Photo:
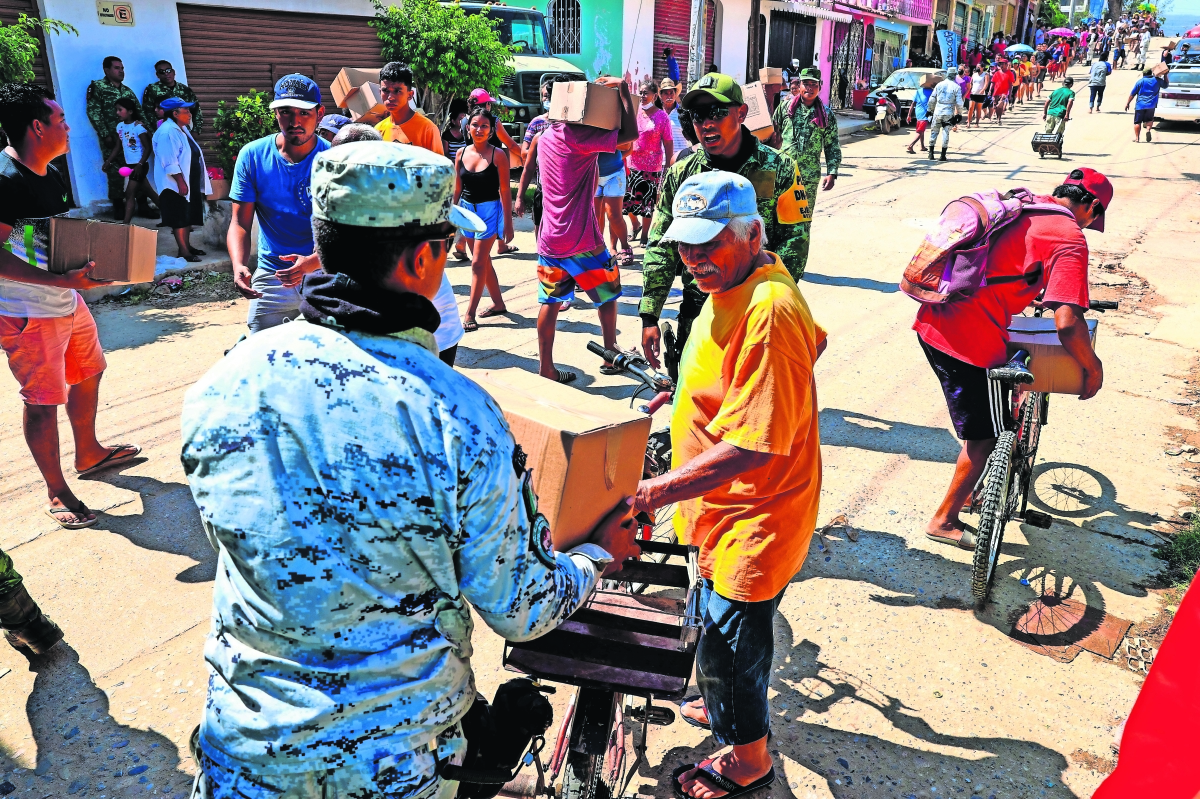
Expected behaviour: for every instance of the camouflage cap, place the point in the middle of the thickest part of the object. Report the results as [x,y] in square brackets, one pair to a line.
[810,73]
[384,184]
[721,88]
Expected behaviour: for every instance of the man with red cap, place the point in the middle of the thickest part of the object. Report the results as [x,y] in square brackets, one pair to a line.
[964,338]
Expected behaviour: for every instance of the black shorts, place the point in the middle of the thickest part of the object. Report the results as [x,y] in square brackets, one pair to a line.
[1143,115]
[978,405]
[978,99]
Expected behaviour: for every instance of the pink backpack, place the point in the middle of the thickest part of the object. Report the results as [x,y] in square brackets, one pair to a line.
[951,263]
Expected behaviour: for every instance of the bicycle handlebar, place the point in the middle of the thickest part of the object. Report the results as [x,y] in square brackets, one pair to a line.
[1102,305]
[634,365]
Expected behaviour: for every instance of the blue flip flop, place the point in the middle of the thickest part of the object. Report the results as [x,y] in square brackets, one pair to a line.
[687,700]
[718,780]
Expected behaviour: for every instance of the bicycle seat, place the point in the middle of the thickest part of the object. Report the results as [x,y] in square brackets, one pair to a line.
[1015,371]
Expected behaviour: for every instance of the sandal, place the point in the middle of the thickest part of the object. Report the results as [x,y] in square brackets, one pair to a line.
[470,327]
[625,257]
[461,255]
[967,541]
[493,311]
[111,459]
[563,376]
[57,513]
[718,780]
[197,251]
[687,700]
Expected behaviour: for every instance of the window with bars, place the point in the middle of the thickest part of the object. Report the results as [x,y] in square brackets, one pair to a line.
[565,26]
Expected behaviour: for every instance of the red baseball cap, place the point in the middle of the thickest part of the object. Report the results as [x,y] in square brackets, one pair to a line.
[481,97]
[1097,185]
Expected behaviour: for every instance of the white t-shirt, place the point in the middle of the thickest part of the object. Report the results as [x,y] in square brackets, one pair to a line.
[450,331]
[677,139]
[128,133]
[978,82]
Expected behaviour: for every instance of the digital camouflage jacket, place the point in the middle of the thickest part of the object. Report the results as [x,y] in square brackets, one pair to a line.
[102,99]
[782,202]
[804,141]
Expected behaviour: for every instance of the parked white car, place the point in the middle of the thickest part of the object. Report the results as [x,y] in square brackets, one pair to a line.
[1180,102]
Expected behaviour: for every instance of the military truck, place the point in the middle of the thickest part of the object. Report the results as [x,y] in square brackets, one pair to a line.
[533,61]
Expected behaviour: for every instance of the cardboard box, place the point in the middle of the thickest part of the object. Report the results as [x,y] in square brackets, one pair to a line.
[366,104]
[1056,372]
[586,103]
[348,82]
[758,111]
[586,452]
[220,189]
[771,75]
[123,253]
[1160,70]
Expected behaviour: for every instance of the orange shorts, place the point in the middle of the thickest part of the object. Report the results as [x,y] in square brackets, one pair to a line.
[47,356]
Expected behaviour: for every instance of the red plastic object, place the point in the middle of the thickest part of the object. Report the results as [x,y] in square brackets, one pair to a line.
[1162,736]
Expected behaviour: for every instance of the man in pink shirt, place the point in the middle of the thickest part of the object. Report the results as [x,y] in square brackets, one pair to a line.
[571,250]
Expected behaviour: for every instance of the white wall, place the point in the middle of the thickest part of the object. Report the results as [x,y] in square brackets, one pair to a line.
[637,40]
[75,61]
[734,38]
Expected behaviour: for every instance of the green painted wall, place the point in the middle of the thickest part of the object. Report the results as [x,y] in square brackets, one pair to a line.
[600,51]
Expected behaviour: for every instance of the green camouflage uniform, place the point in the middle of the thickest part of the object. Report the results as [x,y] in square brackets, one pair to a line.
[782,202]
[156,92]
[102,99]
[804,141]
[9,578]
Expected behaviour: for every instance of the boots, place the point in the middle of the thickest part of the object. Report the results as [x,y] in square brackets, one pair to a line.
[930,151]
[943,158]
[26,628]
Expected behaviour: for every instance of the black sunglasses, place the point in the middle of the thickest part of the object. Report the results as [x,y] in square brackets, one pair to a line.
[165,71]
[715,112]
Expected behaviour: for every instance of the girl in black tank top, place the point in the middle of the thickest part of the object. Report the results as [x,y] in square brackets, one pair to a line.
[482,186]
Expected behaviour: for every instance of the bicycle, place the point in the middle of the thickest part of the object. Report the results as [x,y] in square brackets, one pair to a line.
[1002,492]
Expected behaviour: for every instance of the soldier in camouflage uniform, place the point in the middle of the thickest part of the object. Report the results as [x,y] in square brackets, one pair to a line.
[363,498]
[166,86]
[716,105]
[806,128]
[26,628]
[102,96]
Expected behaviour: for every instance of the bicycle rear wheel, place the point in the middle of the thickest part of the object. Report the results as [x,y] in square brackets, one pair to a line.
[598,774]
[993,516]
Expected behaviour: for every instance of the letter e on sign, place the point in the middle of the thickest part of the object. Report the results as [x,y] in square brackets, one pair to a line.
[115,12]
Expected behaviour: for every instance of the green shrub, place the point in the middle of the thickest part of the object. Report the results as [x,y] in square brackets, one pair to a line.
[249,118]
[1182,554]
[19,47]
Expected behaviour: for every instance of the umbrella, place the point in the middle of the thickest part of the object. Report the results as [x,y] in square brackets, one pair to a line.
[1062,32]
[1018,48]
[1193,33]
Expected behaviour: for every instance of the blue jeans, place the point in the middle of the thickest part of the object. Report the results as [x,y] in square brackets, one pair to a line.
[733,665]
[278,304]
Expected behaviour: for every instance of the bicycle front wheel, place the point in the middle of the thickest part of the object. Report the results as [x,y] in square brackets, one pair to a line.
[993,516]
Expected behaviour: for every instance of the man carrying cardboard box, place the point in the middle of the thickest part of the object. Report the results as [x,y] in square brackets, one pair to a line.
[387,501]
[746,466]
[1145,91]
[964,338]
[715,103]
[45,327]
[271,180]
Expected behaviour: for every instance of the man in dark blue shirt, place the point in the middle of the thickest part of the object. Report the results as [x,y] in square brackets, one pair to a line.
[672,64]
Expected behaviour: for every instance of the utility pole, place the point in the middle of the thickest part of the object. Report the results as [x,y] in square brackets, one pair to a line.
[696,65]
[753,56]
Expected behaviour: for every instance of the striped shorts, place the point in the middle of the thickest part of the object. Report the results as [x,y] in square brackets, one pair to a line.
[594,273]
[978,405]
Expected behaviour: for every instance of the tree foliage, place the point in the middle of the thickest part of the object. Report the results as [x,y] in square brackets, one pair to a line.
[450,52]
[248,119]
[1051,15]
[19,47]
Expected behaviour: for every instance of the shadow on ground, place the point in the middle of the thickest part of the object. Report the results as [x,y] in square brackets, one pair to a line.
[74,731]
[841,428]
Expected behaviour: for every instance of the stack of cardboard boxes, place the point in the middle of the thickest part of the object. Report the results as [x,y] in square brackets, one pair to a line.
[357,90]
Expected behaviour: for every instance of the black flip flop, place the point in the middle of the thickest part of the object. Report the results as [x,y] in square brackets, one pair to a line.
[718,780]
[111,459]
[563,376]
[687,700]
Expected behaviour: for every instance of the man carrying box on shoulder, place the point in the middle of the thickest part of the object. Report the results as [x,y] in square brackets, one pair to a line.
[964,338]
[45,327]
[387,500]
[746,466]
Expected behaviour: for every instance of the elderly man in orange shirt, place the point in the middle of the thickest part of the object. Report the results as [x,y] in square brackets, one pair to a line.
[746,467]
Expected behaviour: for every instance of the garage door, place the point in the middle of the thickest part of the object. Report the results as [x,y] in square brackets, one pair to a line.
[229,51]
[9,11]
[672,28]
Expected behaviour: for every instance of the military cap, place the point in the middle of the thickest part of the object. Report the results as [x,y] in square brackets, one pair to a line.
[721,88]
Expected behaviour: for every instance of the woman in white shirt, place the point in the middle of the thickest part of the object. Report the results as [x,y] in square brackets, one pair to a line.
[180,174]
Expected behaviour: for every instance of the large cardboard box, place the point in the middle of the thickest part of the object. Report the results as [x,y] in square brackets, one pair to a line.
[586,104]
[758,111]
[586,452]
[1056,372]
[123,253]
[771,75]
[366,104]
[1160,70]
[348,82]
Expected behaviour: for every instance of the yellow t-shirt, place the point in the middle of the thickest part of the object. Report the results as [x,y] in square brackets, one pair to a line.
[418,130]
[746,378]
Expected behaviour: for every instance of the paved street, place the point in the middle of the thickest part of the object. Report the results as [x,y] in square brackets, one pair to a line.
[887,682]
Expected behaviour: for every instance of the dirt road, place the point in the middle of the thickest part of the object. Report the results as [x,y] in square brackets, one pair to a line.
[887,684]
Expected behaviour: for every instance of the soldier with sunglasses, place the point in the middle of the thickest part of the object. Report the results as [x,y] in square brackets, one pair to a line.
[718,111]
[166,86]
